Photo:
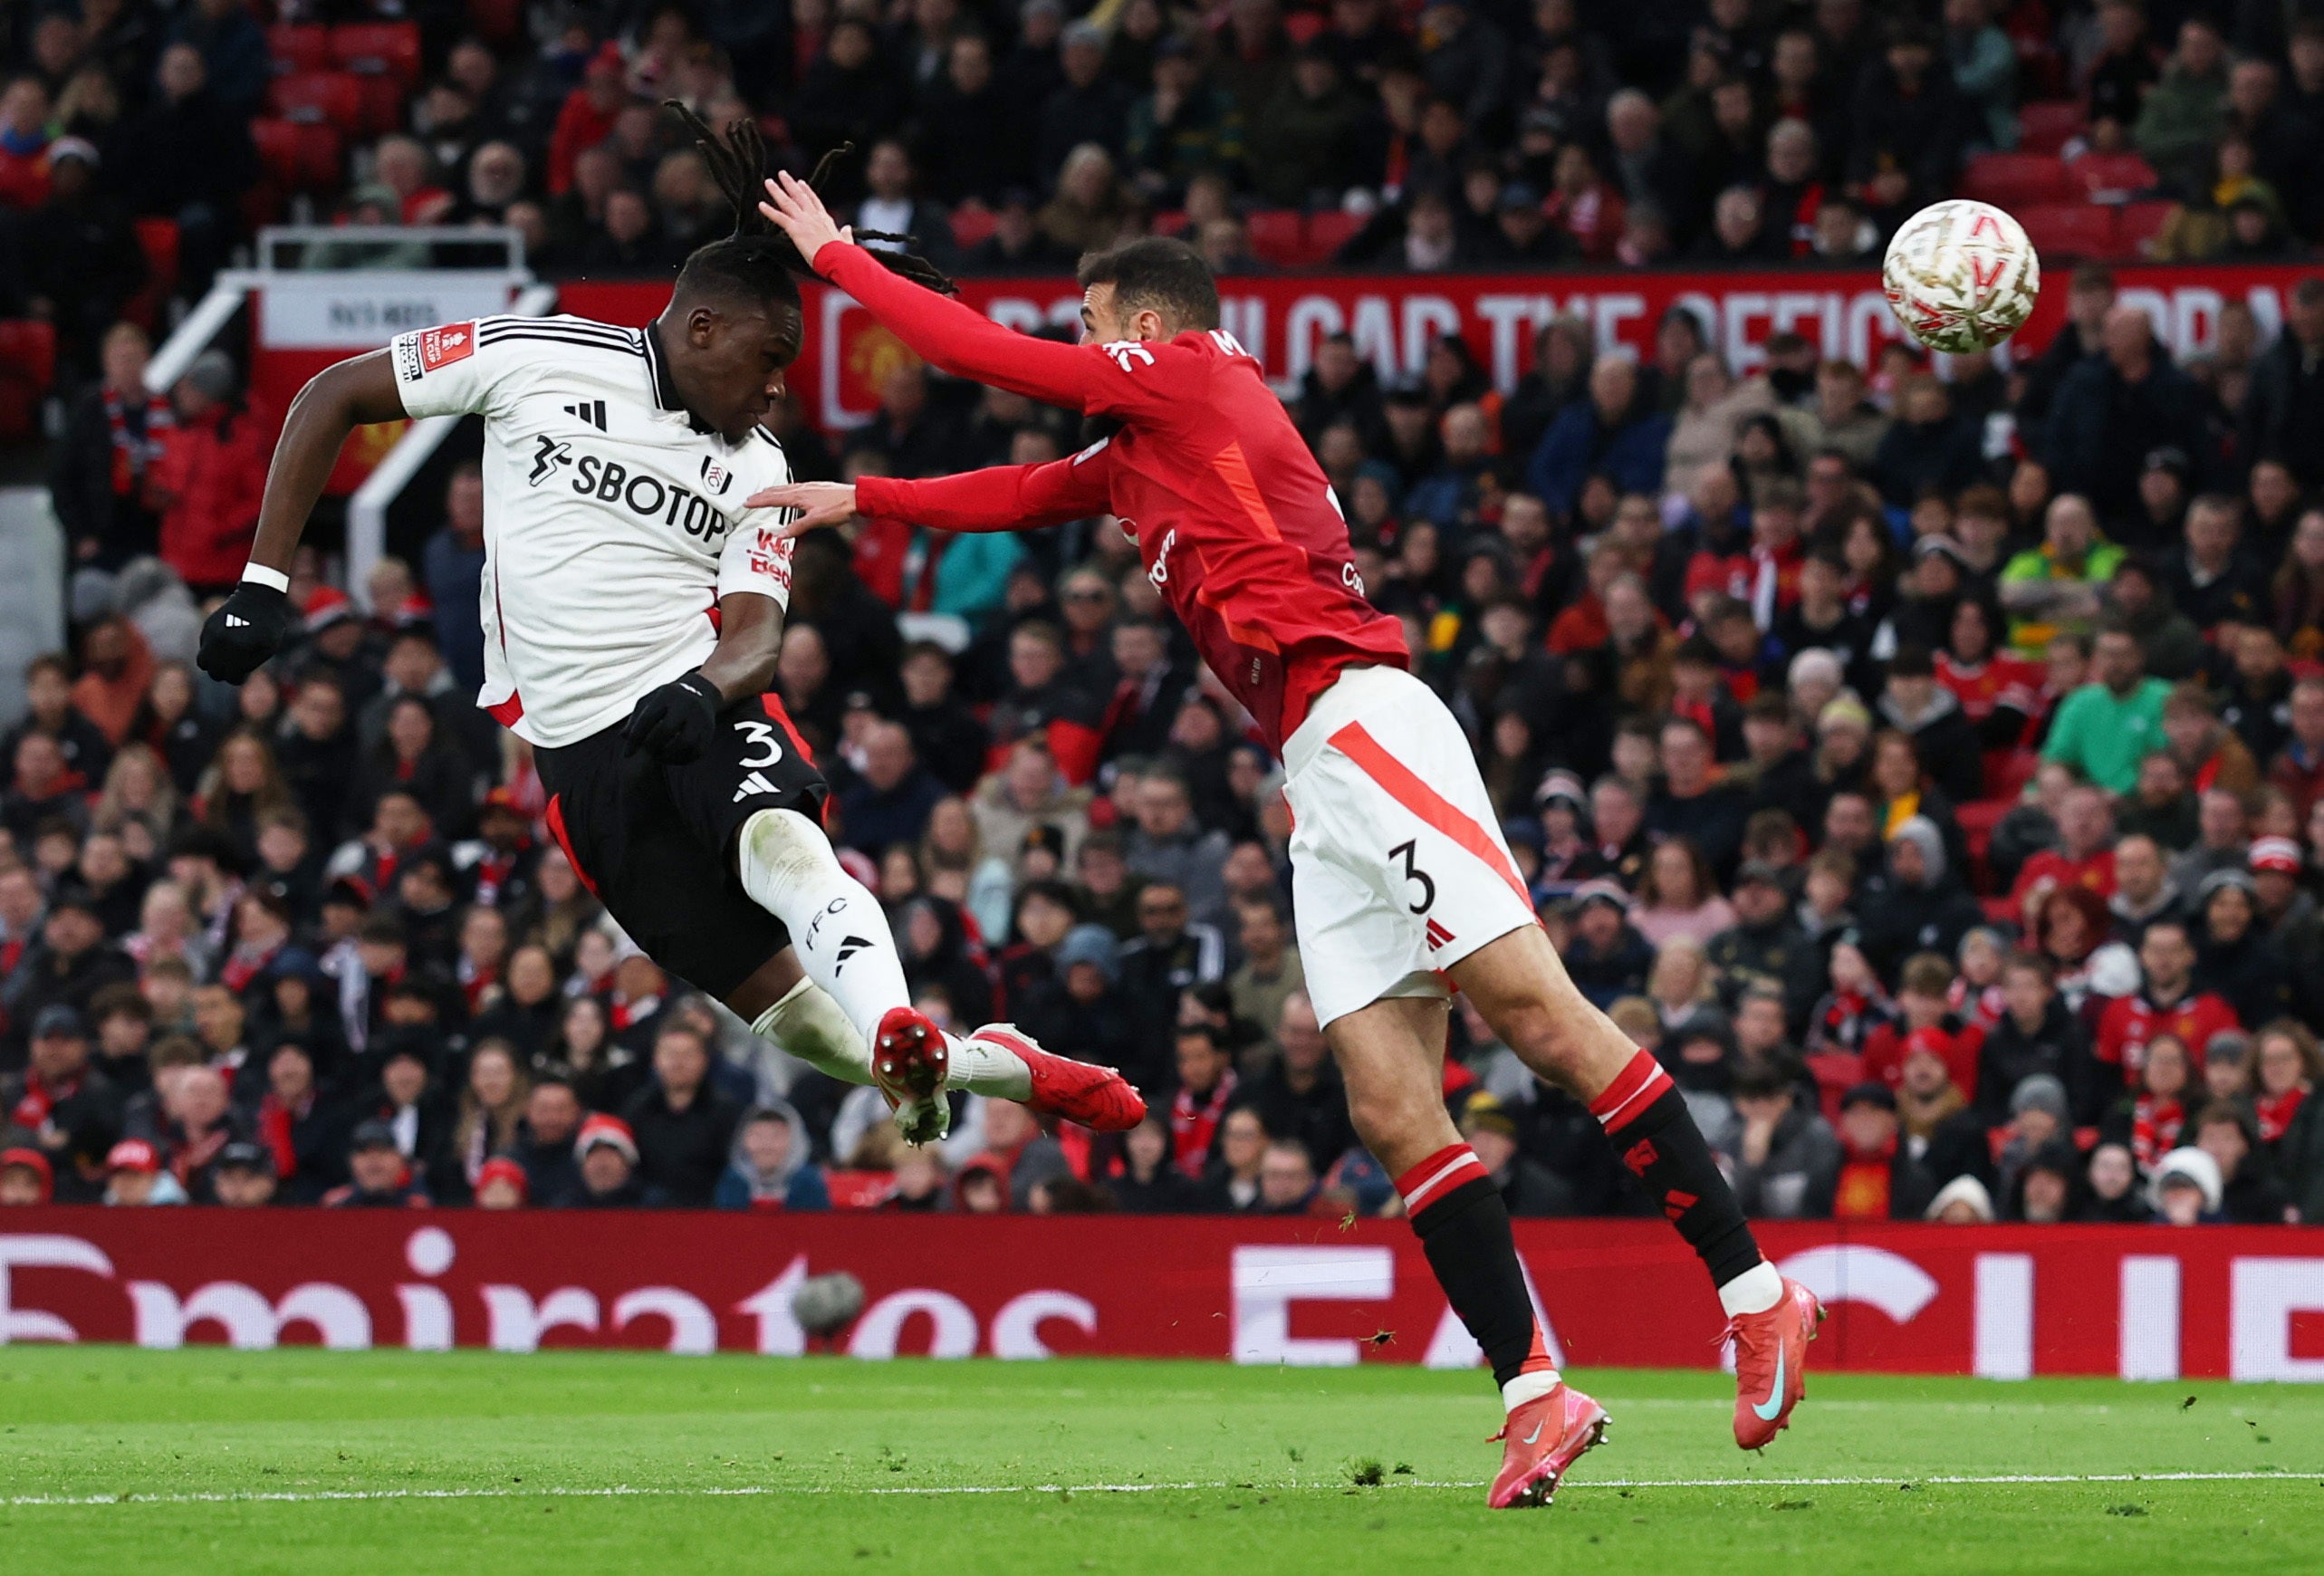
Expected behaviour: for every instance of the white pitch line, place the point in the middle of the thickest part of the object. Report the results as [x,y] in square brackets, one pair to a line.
[765,1491]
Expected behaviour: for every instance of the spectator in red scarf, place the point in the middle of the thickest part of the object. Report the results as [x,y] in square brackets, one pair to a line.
[297,1126]
[2289,1066]
[1879,1178]
[112,435]
[1207,1082]
[198,1123]
[59,1093]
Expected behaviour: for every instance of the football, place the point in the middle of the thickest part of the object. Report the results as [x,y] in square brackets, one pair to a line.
[1961,275]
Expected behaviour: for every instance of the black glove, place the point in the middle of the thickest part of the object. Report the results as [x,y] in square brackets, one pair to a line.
[674,722]
[247,629]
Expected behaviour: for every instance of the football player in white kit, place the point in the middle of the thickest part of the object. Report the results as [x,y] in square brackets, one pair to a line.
[633,610]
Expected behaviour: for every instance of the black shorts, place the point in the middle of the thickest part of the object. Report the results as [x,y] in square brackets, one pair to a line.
[654,842]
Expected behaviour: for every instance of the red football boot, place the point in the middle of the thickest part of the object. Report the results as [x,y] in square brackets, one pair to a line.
[1079,1091]
[1772,1363]
[910,1060]
[1542,1438]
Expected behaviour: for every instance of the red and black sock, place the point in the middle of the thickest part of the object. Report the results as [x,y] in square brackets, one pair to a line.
[1647,1121]
[1463,1228]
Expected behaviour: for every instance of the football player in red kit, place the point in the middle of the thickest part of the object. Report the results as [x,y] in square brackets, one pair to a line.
[1400,877]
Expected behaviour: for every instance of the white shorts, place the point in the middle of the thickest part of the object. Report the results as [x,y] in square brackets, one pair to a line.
[1398,868]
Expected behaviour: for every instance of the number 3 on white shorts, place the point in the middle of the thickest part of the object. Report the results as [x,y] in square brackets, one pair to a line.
[1413,873]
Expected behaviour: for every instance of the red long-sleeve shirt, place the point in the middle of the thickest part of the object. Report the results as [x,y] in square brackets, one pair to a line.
[1234,520]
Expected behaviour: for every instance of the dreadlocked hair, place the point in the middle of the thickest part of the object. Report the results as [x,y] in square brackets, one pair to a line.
[758,260]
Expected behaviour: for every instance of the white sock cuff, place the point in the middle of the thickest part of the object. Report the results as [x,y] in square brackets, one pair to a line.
[1529,1387]
[808,1024]
[767,1024]
[1756,1291]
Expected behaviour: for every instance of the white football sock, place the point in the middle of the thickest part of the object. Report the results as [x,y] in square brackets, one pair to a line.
[836,925]
[982,1067]
[808,1024]
[1756,1291]
[1529,1387]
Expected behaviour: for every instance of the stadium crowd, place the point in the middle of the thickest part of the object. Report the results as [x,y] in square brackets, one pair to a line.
[1923,760]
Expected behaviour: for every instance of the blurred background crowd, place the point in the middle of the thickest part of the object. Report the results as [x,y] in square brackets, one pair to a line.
[1923,758]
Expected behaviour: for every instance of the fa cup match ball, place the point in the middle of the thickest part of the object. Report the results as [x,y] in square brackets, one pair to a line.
[1961,275]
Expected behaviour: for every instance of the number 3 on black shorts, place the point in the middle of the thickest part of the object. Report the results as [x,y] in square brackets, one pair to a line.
[759,735]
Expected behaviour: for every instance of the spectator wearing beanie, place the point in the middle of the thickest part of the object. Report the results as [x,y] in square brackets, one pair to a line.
[26,1177]
[378,1177]
[772,1166]
[501,1183]
[1918,905]
[606,1154]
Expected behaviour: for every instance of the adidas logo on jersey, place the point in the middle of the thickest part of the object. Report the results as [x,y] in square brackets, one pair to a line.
[754,785]
[236,621]
[848,948]
[589,410]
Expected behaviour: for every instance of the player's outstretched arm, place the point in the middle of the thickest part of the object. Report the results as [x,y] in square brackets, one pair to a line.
[947,334]
[249,627]
[998,498]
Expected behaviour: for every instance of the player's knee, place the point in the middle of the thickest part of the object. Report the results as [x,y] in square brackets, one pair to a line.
[1383,1114]
[1551,1043]
[785,847]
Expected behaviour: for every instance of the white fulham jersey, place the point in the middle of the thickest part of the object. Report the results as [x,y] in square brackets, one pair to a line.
[612,525]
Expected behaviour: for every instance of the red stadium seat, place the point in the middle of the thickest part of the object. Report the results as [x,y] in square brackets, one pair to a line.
[2111,176]
[301,157]
[2046,128]
[2007,771]
[373,49]
[1276,237]
[1835,1072]
[2070,229]
[2014,180]
[1170,222]
[2135,224]
[157,239]
[382,98]
[320,99]
[970,225]
[1328,232]
[27,366]
[496,21]
[295,47]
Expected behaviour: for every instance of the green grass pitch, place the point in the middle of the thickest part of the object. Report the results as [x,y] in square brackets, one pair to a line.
[114,1460]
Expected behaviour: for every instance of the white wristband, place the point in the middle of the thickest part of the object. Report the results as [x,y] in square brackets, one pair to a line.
[272,578]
